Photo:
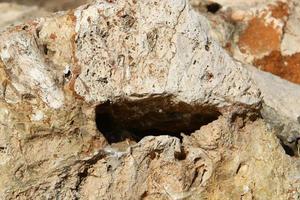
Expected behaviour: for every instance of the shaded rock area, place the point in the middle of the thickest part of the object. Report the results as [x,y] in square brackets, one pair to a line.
[149,100]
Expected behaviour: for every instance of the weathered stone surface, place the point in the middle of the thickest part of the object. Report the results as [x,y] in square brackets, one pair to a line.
[145,59]
[278,93]
[147,49]
[138,100]
[281,106]
[13,13]
[262,33]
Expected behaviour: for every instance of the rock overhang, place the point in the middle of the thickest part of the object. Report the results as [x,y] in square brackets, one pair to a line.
[163,49]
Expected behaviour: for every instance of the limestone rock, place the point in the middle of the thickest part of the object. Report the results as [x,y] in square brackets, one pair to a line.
[146,48]
[281,105]
[138,100]
[263,33]
[11,13]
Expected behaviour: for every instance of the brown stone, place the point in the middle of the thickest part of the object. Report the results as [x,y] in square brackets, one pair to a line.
[287,67]
[259,37]
[280,10]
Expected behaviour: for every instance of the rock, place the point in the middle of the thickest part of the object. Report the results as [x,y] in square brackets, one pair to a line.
[13,13]
[279,94]
[262,33]
[138,100]
[281,104]
[264,168]
[139,59]
[51,6]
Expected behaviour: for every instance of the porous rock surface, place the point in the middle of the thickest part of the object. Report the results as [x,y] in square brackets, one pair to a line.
[260,32]
[139,100]
[263,33]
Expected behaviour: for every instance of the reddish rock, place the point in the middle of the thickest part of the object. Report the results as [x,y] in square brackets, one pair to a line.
[259,38]
[287,67]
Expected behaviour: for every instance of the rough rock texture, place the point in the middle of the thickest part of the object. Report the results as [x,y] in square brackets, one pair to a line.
[162,49]
[139,100]
[261,32]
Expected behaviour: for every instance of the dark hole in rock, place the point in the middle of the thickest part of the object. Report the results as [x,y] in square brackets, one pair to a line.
[290,148]
[45,49]
[180,155]
[48,52]
[135,120]
[67,74]
[213,7]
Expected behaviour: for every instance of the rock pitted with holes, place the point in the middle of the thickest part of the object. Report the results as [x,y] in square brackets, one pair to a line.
[136,49]
[134,100]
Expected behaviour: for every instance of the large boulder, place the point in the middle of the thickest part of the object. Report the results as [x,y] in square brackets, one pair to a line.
[137,100]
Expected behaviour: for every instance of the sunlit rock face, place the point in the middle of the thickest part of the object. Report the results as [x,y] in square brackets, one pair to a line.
[145,100]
